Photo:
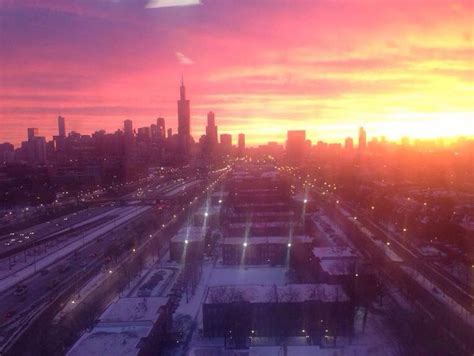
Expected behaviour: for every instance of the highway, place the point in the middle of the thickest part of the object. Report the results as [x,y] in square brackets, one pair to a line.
[83,254]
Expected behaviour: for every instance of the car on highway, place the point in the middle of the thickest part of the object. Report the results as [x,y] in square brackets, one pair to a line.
[52,284]
[20,290]
[9,314]
[64,268]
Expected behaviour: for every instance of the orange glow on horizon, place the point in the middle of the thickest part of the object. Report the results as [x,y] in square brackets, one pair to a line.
[404,71]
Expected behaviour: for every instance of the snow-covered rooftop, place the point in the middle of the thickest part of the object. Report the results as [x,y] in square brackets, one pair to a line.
[210,210]
[254,240]
[334,252]
[121,327]
[134,309]
[190,233]
[337,267]
[248,275]
[264,224]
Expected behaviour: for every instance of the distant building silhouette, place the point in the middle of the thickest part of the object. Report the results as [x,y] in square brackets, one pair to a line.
[160,122]
[184,120]
[295,145]
[362,139]
[128,128]
[32,133]
[349,143]
[61,126]
[211,130]
[241,143]
[226,143]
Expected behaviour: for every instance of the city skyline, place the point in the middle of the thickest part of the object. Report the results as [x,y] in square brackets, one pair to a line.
[185,129]
[369,71]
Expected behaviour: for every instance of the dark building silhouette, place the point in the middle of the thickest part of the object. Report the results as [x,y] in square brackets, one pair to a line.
[362,139]
[32,132]
[184,120]
[211,131]
[226,143]
[295,145]
[241,143]
[61,126]
[349,143]
[128,128]
[160,122]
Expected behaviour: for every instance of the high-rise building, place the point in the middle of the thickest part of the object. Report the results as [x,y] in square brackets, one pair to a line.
[61,126]
[295,145]
[143,134]
[154,132]
[160,122]
[211,130]
[362,139]
[184,120]
[349,143]
[241,143]
[170,132]
[36,150]
[226,142]
[128,128]
[32,133]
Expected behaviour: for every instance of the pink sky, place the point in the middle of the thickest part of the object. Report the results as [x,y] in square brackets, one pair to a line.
[397,67]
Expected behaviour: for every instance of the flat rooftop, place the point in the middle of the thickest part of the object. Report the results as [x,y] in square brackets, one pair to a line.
[243,275]
[265,213]
[261,224]
[210,210]
[337,267]
[120,328]
[292,293]
[190,233]
[336,252]
[255,240]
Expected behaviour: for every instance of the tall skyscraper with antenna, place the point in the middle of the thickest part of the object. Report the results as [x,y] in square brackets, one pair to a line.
[184,120]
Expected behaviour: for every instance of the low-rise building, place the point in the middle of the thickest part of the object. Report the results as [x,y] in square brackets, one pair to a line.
[207,216]
[265,250]
[300,310]
[130,326]
[188,244]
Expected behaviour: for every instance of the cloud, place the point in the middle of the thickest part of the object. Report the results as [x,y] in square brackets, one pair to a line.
[153,4]
[182,59]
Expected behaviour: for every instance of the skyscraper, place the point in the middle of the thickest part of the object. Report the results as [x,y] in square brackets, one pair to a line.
[295,145]
[32,133]
[349,143]
[211,130]
[128,128]
[362,139]
[241,143]
[226,143]
[61,126]
[184,120]
[160,122]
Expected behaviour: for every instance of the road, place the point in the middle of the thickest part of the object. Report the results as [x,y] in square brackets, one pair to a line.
[22,301]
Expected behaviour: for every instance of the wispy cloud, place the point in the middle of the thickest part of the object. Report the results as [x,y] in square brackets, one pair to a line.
[153,4]
[182,59]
